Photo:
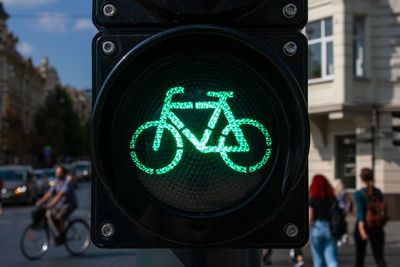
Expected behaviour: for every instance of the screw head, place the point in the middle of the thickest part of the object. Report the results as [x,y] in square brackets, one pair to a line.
[107,230]
[290,48]
[290,11]
[108,48]
[109,10]
[291,230]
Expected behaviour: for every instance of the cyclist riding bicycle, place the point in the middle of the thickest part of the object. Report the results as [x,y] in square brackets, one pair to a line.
[59,201]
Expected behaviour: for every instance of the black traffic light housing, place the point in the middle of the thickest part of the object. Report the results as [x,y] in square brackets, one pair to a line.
[144,49]
[161,14]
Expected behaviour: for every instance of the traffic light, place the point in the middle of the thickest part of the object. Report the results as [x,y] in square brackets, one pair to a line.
[200,124]
[396,128]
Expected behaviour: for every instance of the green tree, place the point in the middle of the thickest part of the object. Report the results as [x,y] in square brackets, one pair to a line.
[86,138]
[14,137]
[57,125]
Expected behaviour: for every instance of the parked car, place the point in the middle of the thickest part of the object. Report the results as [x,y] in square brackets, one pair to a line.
[19,184]
[45,179]
[82,170]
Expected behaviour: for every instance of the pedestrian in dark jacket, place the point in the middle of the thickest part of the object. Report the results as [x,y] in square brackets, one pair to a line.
[362,233]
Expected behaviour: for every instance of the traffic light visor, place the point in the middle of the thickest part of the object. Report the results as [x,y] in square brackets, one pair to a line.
[203,7]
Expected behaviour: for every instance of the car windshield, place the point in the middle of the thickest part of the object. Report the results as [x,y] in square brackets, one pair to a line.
[49,173]
[11,175]
[81,167]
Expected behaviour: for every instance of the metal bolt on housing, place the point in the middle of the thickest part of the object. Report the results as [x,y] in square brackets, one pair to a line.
[109,48]
[290,11]
[290,48]
[107,230]
[109,10]
[291,230]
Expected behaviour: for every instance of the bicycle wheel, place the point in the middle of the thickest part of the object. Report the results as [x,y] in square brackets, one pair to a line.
[34,242]
[264,159]
[77,237]
[178,154]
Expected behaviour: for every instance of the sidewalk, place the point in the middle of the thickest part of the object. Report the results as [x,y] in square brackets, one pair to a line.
[392,231]
[280,257]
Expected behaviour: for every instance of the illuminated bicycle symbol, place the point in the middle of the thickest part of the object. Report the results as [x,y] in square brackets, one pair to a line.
[177,128]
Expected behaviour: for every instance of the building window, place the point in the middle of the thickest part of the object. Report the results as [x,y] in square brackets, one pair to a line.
[359,60]
[346,160]
[320,49]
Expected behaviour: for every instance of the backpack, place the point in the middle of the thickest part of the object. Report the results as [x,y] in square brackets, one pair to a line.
[337,220]
[376,214]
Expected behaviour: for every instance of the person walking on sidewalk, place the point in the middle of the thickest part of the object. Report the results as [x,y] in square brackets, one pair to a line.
[364,233]
[345,203]
[323,245]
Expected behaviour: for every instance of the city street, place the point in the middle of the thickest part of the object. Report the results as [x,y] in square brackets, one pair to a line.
[224,124]
[15,218]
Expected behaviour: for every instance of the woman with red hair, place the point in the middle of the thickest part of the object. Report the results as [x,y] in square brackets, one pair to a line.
[323,245]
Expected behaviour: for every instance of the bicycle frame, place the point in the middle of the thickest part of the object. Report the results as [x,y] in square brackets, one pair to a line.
[220,106]
[51,233]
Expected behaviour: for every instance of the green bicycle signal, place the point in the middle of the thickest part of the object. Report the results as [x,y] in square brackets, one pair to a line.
[178,128]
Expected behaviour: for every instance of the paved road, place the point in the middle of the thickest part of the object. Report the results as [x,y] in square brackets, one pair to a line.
[16,218]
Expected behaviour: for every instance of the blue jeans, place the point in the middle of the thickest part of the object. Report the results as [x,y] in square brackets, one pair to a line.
[323,245]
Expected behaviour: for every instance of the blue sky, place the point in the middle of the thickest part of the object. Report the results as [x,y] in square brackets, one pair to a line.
[59,29]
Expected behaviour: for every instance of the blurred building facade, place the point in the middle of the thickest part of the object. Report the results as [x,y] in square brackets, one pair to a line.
[21,89]
[82,99]
[49,73]
[354,85]
[82,102]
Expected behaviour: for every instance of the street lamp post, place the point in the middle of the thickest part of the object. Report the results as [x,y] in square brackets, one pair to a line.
[374,126]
